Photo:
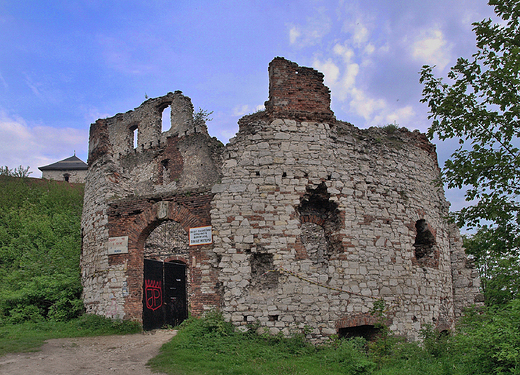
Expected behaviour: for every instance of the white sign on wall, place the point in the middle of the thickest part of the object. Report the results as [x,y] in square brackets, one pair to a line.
[118,245]
[200,236]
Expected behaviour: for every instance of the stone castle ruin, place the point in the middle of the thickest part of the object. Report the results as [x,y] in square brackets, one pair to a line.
[301,220]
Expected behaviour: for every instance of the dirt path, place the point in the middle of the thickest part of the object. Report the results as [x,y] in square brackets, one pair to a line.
[102,355]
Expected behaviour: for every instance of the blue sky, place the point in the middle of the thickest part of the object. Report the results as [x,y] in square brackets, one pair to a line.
[64,64]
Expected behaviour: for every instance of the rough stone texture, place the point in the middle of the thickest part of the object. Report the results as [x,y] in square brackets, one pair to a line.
[313,219]
[164,182]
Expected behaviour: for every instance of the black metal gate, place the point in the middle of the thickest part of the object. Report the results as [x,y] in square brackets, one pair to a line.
[164,294]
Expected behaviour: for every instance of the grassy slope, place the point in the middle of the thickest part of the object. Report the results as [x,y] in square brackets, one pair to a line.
[40,245]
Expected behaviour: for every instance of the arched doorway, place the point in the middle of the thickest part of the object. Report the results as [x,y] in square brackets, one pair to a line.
[166,253]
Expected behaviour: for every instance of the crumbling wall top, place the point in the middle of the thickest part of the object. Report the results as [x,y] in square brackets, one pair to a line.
[298,93]
[141,128]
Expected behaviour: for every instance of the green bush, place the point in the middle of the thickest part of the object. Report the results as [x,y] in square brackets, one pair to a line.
[489,340]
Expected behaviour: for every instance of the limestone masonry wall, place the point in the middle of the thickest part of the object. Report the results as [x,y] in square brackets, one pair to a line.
[313,219]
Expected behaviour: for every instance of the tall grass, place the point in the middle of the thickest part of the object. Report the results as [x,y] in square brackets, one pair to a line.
[487,342]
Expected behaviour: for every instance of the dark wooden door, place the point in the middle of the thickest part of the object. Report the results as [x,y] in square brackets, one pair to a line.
[176,309]
[164,294]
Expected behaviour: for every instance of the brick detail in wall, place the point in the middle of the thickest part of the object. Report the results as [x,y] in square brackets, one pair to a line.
[297,92]
[171,163]
[137,220]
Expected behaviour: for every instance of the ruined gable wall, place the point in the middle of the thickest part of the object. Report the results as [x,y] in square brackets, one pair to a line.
[126,188]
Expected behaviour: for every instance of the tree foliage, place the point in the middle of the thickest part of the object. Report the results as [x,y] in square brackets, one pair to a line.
[498,260]
[16,172]
[40,244]
[480,106]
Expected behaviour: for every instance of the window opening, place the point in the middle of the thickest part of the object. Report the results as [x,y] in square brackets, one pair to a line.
[134,131]
[166,119]
[66,177]
[425,245]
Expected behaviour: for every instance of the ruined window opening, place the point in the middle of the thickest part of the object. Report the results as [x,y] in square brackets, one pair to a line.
[166,119]
[263,274]
[134,131]
[66,177]
[368,332]
[320,220]
[164,174]
[424,245]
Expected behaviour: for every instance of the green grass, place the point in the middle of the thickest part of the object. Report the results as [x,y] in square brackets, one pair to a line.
[29,337]
[487,343]
[212,346]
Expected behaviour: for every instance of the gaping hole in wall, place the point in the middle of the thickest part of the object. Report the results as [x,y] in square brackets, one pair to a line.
[263,274]
[166,119]
[315,242]
[368,332]
[424,245]
[320,219]
[167,240]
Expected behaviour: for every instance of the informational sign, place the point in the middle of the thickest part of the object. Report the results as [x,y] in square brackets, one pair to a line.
[118,245]
[200,236]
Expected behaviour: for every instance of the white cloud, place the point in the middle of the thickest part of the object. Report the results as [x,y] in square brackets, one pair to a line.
[294,34]
[34,86]
[369,49]
[365,106]
[343,51]
[349,78]
[329,69]
[36,146]
[431,47]
[245,109]
[313,31]
[361,33]
[400,115]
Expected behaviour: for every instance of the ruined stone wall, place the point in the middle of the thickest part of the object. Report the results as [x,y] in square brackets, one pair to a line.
[164,180]
[316,220]
[328,216]
[313,219]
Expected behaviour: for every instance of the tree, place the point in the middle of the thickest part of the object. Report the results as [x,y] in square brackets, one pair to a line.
[481,107]
[17,172]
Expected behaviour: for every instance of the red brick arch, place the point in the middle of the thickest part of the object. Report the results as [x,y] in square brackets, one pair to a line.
[137,221]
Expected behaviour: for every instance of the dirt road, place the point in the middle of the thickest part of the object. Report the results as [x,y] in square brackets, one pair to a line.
[102,355]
